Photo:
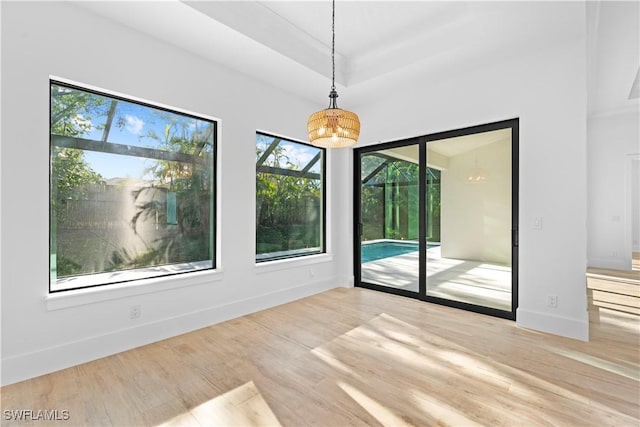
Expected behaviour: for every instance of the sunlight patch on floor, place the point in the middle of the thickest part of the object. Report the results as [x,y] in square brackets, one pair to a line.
[377,410]
[413,349]
[475,366]
[398,351]
[625,321]
[444,413]
[185,419]
[596,362]
[543,390]
[330,359]
[242,406]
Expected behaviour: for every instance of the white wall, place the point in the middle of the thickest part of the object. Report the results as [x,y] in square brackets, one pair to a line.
[476,218]
[547,91]
[611,141]
[40,335]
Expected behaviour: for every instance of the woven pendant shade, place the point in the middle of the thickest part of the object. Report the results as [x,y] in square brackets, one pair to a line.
[333,128]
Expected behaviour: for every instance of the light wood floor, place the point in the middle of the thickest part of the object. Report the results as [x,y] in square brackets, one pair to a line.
[615,289]
[355,357]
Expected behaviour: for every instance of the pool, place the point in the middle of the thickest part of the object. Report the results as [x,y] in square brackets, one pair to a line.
[385,249]
[380,250]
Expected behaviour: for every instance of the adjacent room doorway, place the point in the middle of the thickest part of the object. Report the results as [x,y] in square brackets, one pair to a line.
[436,218]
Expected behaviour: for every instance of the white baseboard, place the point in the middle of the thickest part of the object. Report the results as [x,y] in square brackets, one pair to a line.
[346,281]
[610,263]
[558,325]
[30,365]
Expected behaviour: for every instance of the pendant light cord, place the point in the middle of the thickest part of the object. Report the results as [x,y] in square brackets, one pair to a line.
[333,45]
[333,95]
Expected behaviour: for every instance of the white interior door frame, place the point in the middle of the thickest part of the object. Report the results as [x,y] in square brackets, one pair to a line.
[632,189]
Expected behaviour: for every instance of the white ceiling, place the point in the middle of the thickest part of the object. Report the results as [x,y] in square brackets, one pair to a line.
[613,30]
[288,43]
[451,147]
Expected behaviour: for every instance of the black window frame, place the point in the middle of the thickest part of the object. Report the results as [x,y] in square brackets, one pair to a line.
[323,197]
[214,184]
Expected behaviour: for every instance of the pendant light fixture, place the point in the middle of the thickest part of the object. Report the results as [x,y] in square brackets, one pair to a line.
[333,127]
[477,175]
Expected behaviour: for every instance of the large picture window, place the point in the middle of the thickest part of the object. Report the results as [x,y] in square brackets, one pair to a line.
[132,190]
[289,198]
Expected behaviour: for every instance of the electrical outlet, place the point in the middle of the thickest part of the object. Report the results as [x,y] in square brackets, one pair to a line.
[552,301]
[134,311]
[537,223]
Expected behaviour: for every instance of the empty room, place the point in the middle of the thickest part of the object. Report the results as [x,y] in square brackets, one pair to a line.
[331,213]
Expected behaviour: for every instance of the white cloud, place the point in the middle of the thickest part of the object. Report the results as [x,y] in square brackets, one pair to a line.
[298,154]
[134,124]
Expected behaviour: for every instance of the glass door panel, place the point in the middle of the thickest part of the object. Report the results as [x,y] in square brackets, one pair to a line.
[389,218]
[468,205]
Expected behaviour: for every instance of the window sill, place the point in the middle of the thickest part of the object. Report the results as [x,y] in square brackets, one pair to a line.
[66,299]
[284,264]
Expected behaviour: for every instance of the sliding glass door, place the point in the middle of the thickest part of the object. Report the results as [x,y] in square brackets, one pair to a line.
[437,218]
[389,201]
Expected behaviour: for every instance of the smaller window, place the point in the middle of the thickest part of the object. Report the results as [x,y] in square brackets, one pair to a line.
[132,190]
[290,198]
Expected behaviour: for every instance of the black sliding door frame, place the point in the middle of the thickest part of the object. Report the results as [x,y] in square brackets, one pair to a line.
[422,142]
[357,180]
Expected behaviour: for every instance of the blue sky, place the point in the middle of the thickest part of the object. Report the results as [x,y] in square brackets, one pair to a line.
[138,121]
[298,154]
[131,125]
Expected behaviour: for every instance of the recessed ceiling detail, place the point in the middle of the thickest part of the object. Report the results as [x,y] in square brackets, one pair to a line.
[286,43]
[635,87]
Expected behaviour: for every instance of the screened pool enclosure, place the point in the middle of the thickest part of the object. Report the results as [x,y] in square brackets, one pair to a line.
[390,198]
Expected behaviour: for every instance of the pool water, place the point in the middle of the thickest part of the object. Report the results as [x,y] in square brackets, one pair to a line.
[380,250]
